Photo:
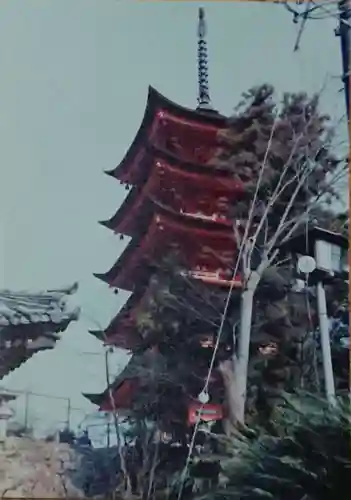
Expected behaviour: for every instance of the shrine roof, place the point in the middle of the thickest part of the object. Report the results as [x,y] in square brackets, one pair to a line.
[30,322]
[25,308]
[297,242]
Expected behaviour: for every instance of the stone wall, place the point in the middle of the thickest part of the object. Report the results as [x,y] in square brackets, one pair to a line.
[36,469]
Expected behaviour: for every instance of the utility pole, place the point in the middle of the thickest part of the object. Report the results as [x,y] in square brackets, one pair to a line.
[68,421]
[107,373]
[344,32]
[26,410]
[308,11]
[325,342]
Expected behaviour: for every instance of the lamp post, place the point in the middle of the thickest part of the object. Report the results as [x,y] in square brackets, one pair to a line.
[5,413]
[322,256]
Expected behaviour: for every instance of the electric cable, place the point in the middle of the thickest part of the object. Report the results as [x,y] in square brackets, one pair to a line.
[229,295]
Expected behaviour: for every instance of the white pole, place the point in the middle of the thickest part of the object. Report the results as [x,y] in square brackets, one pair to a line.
[3,430]
[325,341]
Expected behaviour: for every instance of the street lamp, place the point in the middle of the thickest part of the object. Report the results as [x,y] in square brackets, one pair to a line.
[5,412]
[321,256]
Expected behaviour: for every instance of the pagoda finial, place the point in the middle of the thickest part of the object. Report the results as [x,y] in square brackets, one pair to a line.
[204,100]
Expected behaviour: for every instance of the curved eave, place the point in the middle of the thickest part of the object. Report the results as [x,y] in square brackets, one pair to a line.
[175,222]
[210,117]
[95,399]
[130,305]
[99,399]
[123,210]
[14,366]
[185,172]
[21,359]
[120,222]
[127,340]
[98,334]
[131,372]
[110,275]
[155,102]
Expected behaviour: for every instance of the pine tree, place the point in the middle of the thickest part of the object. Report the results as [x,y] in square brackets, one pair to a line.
[284,153]
[305,455]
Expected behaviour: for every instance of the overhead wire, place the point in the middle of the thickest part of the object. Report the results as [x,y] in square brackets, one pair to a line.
[329,13]
[243,243]
[228,299]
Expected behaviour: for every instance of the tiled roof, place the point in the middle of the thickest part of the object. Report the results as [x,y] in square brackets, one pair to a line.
[24,308]
[31,322]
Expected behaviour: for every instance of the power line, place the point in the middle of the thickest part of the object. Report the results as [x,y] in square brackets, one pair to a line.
[228,299]
[342,15]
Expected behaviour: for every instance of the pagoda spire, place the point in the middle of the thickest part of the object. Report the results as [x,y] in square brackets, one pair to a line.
[204,100]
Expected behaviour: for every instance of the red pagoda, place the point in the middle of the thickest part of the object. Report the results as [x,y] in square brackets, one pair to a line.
[179,202]
[32,322]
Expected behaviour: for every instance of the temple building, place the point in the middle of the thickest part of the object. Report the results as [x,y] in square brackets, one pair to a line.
[32,322]
[178,206]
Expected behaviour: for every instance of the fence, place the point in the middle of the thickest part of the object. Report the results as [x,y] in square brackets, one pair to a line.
[40,411]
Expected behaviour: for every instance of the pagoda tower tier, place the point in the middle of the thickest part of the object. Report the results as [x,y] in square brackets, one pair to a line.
[125,331]
[207,250]
[173,184]
[132,385]
[191,136]
[122,331]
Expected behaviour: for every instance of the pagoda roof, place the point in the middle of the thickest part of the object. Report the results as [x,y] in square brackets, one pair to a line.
[123,331]
[112,329]
[156,102]
[31,322]
[166,166]
[141,368]
[179,223]
[132,199]
[137,367]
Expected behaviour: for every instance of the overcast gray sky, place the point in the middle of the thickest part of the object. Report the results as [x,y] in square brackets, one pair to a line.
[74,80]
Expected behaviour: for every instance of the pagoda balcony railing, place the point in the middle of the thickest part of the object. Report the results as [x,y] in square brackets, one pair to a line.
[212,277]
[213,217]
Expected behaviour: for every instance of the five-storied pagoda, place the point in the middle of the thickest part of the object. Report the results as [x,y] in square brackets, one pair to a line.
[178,204]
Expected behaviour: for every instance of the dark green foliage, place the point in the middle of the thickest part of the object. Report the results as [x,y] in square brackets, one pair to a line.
[301,147]
[306,456]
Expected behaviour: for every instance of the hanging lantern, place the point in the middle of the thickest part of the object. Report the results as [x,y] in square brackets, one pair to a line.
[203,397]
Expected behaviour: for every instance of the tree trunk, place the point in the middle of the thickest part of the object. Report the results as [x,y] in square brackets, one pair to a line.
[232,401]
[234,371]
[242,359]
